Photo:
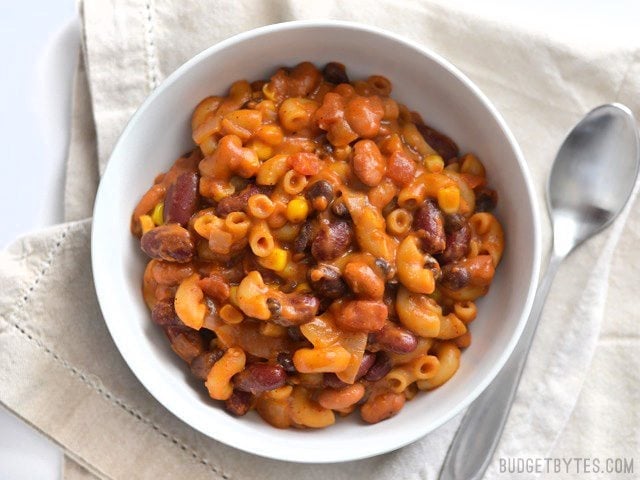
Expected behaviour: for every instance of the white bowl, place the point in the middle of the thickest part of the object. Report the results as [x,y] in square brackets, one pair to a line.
[160,131]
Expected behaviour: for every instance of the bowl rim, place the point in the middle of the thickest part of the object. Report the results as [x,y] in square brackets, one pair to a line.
[100,274]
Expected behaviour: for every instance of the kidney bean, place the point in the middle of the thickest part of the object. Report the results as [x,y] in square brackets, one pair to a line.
[326,281]
[457,238]
[331,380]
[164,313]
[215,287]
[201,365]
[285,360]
[454,222]
[393,338]
[368,359]
[486,199]
[382,406]
[334,72]
[238,403]
[362,315]
[363,280]
[187,343]
[429,222]
[260,377]
[320,194]
[442,144]
[455,276]
[401,168]
[237,202]
[368,163]
[181,200]
[380,367]
[333,239]
[302,241]
[168,242]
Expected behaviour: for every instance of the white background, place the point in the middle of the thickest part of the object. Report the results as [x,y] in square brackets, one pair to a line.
[39,42]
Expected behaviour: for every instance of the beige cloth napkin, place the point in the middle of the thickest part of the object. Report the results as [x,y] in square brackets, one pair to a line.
[61,372]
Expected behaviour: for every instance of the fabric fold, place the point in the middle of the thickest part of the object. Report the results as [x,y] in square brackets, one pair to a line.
[63,374]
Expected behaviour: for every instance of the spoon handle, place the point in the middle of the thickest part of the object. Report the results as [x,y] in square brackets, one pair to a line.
[479,433]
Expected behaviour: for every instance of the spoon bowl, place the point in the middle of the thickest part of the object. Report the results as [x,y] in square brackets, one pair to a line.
[591,181]
[593,175]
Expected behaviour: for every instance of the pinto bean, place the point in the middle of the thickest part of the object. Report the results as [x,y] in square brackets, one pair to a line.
[368,163]
[339,209]
[362,315]
[260,377]
[442,144]
[401,168]
[458,236]
[363,280]
[393,338]
[380,367]
[181,200]
[293,308]
[238,403]
[331,380]
[455,276]
[429,222]
[338,399]
[171,273]
[215,287]
[171,242]
[334,72]
[382,406]
[201,365]
[237,202]
[320,194]
[187,343]
[333,239]
[326,281]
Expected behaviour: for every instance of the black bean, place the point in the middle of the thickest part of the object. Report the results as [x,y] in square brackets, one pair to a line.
[335,73]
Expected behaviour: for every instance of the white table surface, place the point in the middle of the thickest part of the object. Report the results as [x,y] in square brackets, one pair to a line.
[39,42]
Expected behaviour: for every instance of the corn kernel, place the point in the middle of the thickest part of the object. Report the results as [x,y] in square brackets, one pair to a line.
[146,223]
[449,199]
[471,164]
[262,149]
[276,260]
[297,210]
[434,163]
[453,167]
[268,91]
[230,314]
[158,214]
[233,295]
[281,393]
[303,287]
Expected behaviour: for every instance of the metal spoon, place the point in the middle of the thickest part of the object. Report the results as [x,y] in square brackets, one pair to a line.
[591,180]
